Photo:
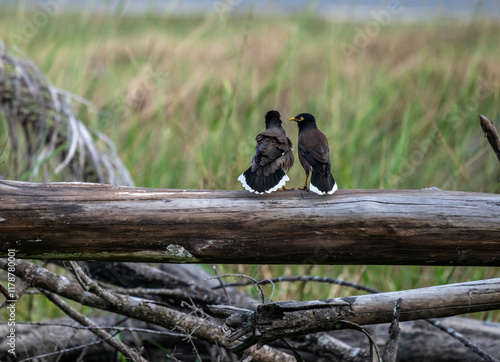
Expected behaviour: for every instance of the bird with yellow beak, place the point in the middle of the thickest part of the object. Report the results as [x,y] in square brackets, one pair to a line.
[314,155]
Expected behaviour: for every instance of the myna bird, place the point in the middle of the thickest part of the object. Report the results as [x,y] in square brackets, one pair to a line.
[314,155]
[273,157]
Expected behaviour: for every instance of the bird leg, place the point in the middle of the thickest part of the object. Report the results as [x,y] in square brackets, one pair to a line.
[305,185]
[284,188]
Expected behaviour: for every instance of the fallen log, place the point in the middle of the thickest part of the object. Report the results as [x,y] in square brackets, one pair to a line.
[81,221]
[273,321]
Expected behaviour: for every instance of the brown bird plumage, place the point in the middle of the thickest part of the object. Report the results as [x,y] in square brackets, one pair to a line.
[314,155]
[273,157]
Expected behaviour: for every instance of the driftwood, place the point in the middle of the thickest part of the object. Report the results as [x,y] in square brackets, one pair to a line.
[101,222]
[272,321]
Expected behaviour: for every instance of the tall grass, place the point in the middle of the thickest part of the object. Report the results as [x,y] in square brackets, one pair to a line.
[183,99]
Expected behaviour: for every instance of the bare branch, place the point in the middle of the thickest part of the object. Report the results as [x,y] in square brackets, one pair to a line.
[297,356]
[304,278]
[72,266]
[221,284]
[323,344]
[474,348]
[64,350]
[490,132]
[110,328]
[253,282]
[182,284]
[391,347]
[141,309]
[143,292]
[71,312]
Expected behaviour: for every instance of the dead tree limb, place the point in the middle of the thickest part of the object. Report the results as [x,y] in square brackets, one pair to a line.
[112,341]
[391,346]
[458,336]
[273,321]
[419,341]
[100,222]
[490,132]
[137,308]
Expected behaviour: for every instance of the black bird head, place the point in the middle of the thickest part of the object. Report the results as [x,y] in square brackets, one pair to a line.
[304,120]
[273,119]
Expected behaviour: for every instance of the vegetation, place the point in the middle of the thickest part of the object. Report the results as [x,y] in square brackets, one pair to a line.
[183,99]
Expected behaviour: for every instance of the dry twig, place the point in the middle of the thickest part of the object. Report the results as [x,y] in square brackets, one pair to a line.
[252,281]
[391,347]
[303,278]
[68,349]
[102,327]
[490,132]
[461,339]
[71,312]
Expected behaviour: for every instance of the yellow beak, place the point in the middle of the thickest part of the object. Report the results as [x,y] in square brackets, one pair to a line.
[293,119]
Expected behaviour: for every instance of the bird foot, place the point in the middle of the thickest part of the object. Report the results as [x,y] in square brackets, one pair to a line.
[305,189]
[284,188]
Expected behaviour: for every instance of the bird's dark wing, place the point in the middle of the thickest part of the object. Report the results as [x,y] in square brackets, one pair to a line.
[313,146]
[273,150]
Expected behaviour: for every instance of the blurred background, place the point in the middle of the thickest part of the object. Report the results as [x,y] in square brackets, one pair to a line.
[181,88]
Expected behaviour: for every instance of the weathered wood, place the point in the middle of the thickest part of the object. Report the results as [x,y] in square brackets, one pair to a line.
[490,132]
[101,222]
[272,321]
[419,341]
[147,310]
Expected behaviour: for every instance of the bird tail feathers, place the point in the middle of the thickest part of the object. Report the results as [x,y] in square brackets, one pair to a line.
[323,184]
[259,184]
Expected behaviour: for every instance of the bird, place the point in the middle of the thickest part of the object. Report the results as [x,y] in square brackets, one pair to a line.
[314,155]
[273,158]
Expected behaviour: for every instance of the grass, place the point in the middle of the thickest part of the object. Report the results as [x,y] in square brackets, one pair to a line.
[183,99]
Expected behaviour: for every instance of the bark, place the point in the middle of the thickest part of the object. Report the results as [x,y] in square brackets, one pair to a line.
[70,221]
[272,321]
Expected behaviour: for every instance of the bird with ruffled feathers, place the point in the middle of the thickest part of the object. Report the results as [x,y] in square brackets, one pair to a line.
[272,159]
